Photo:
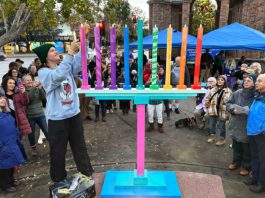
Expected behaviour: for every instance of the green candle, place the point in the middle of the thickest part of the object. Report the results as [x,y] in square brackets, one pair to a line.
[154,86]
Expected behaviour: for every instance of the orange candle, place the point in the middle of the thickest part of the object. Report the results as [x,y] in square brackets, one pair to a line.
[183,58]
[196,84]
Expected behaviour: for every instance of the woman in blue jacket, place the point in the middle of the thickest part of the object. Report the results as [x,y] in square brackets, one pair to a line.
[10,154]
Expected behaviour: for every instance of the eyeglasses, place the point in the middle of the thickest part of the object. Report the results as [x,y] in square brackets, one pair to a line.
[209,81]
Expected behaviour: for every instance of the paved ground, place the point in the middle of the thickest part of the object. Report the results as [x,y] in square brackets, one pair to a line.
[111,145]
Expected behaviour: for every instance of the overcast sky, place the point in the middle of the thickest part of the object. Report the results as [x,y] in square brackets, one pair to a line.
[144,6]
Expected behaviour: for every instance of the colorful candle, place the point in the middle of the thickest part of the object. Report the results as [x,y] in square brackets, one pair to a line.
[113,57]
[98,58]
[140,54]
[140,138]
[154,86]
[127,85]
[83,58]
[168,58]
[183,58]
[196,84]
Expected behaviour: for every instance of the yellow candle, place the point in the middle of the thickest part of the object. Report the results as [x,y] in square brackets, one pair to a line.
[168,60]
[183,58]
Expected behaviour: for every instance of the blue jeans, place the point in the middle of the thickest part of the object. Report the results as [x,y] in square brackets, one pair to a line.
[41,121]
[221,126]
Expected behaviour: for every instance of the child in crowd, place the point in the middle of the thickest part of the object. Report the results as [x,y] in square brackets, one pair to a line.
[10,154]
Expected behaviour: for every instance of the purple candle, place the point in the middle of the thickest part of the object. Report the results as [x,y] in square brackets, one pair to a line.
[113,57]
[98,58]
[83,58]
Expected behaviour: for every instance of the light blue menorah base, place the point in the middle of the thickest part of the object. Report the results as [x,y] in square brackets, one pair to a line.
[155,184]
[141,96]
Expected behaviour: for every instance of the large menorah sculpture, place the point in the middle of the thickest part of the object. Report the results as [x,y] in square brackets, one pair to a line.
[139,182]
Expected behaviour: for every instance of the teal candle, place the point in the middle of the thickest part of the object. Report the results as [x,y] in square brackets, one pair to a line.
[140,54]
[154,86]
[126,58]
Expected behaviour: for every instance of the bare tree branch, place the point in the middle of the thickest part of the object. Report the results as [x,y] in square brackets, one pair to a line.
[19,25]
[3,17]
[18,16]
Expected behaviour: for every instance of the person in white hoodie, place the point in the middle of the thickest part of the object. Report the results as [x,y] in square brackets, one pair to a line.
[63,113]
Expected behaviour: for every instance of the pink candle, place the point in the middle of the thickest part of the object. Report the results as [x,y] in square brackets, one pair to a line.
[83,58]
[98,58]
[113,57]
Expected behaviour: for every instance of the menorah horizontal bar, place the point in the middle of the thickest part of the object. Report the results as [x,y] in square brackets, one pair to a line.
[141,96]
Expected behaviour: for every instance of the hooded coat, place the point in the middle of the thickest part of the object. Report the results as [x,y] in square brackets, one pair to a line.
[238,122]
[10,154]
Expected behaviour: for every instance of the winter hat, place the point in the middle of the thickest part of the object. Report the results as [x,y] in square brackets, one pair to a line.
[42,51]
[253,77]
[223,77]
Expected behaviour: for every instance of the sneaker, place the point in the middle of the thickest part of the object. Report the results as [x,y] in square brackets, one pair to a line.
[220,143]
[103,120]
[250,181]
[111,111]
[107,111]
[233,166]
[257,188]
[177,111]
[211,139]
[243,172]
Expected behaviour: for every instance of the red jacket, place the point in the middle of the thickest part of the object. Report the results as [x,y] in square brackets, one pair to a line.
[147,74]
[20,101]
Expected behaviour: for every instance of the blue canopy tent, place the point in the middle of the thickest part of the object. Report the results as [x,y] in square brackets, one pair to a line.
[162,40]
[233,37]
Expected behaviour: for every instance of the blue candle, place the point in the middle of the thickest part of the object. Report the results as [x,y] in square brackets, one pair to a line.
[140,54]
[126,58]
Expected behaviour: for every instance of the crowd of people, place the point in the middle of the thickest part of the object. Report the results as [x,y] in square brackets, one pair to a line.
[45,94]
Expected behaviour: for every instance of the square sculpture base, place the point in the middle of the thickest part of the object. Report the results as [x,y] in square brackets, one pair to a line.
[155,184]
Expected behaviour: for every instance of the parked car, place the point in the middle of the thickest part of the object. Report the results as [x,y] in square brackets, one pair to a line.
[2,56]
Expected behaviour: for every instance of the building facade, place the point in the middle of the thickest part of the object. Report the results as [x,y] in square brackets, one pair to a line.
[179,12]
